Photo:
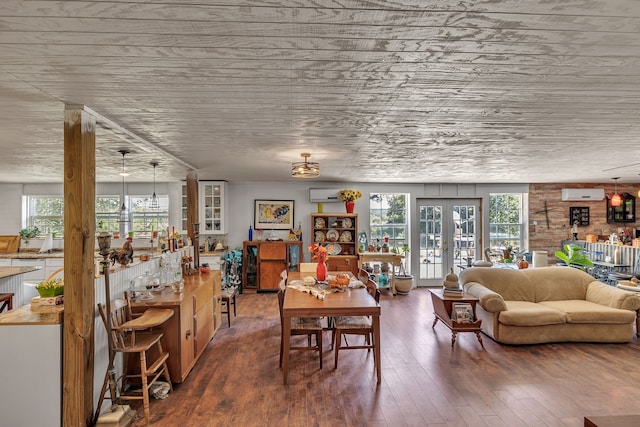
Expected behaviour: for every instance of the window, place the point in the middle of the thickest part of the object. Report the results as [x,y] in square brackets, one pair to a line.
[143,219]
[46,213]
[388,218]
[107,213]
[506,226]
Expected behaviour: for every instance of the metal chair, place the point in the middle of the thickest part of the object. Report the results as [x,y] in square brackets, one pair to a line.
[615,276]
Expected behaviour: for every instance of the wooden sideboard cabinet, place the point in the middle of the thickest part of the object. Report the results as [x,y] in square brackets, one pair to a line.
[197,316]
[263,261]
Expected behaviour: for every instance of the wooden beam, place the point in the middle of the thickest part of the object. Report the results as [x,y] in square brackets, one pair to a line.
[192,213]
[79,279]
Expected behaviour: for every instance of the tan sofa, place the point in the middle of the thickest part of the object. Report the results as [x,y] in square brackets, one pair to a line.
[549,304]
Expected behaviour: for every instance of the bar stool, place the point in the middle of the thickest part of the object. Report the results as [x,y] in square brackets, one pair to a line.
[6,302]
[229,298]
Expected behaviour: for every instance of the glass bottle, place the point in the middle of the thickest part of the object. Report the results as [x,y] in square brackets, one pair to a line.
[385,245]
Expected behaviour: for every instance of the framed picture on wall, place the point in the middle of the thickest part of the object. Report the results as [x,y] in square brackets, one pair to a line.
[579,214]
[273,214]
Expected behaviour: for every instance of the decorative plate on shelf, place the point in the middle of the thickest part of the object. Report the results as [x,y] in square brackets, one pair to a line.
[319,223]
[334,249]
[333,235]
[319,236]
[345,236]
[346,223]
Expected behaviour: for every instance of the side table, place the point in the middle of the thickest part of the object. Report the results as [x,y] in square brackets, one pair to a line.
[442,307]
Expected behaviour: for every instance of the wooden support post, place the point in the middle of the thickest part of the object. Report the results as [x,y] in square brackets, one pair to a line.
[192,213]
[79,278]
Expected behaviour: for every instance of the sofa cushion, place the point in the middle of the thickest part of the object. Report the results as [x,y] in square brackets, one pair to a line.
[579,311]
[524,313]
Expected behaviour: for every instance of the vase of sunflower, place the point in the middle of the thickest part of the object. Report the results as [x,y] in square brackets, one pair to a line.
[349,198]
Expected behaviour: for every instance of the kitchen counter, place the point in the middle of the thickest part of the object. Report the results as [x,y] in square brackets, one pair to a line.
[33,255]
[25,316]
[14,271]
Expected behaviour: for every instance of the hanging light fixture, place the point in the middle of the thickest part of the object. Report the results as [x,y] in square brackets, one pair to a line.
[616,199]
[155,203]
[123,213]
[305,169]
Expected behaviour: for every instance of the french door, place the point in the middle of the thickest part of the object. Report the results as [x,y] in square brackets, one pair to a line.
[449,229]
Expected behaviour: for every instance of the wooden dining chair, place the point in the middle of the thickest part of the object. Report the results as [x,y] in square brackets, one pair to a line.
[134,338]
[309,326]
[355,325]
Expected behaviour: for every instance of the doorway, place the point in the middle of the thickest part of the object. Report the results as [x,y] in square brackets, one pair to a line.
[448,237]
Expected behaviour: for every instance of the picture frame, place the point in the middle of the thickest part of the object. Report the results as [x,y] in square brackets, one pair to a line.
[273,214]
[579,214]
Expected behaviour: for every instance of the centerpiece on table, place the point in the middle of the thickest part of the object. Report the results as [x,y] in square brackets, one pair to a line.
[319,255]
[349,198]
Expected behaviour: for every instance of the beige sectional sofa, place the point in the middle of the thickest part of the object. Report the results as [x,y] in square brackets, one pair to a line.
[549,304]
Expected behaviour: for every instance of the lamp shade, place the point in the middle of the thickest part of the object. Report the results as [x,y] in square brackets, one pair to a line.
[616,200]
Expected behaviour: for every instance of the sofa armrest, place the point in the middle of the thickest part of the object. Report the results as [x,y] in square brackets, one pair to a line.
[600,293]
[489,300]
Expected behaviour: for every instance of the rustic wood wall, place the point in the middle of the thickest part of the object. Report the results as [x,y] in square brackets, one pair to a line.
[546,199]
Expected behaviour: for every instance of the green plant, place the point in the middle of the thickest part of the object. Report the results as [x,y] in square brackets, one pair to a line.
[51,288]
[29,233]
[574,256]
[404,250]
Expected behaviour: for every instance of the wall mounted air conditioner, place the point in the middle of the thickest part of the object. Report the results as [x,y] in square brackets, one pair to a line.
[582,194]
[323,195]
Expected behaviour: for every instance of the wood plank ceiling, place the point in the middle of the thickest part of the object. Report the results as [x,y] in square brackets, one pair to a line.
[377,91]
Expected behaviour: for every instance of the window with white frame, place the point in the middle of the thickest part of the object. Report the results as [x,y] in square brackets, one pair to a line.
[144,219]
[506,227]
[388,218]
[47,213]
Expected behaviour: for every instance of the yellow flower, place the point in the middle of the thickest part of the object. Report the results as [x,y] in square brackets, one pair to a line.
[50,288]
[349,195]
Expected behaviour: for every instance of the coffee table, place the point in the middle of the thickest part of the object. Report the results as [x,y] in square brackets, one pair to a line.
[442,306]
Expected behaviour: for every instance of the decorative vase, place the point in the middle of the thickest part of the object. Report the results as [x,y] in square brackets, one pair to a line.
[350,206]
[321,271]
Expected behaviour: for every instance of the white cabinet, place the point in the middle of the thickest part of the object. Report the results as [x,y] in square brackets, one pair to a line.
[212,206]
[5,262]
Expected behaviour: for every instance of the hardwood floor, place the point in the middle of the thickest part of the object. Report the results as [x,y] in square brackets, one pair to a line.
[425,382]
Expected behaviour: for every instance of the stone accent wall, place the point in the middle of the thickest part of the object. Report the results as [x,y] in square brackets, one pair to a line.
[546,199]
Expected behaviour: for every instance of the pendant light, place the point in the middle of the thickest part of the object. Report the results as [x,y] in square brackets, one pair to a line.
[123,213]
[155,203]
[616,199]
[305,169]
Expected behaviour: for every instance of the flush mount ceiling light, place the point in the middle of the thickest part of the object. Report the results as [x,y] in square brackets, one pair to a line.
[616,199]
[123,213]
[305,169]
[155,203]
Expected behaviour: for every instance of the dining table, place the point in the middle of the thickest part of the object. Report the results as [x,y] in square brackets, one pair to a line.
[350,302]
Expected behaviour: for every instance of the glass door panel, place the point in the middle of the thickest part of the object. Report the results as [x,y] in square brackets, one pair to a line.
[448,237]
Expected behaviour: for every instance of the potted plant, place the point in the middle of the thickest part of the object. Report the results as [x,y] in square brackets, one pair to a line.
[404,281]
[574,256]
[28,233]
